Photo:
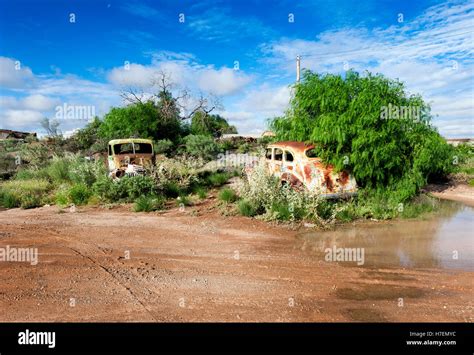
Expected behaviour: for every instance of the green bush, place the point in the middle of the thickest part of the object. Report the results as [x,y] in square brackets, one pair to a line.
[9,200]
[58,170]
[201,192]
[356,123]
[31,173]
[79,194]
[201,146]
[246,208]
[127,189]
[149,204]
[31,201]
[171,189]
[87,172]
[25,193]
[61,196]
[183,200]
[217,179]
[163,146]
[227,195]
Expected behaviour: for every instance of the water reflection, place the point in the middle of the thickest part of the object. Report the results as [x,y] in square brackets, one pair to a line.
[444,240]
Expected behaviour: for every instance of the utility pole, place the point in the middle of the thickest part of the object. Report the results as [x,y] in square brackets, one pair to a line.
[298,67]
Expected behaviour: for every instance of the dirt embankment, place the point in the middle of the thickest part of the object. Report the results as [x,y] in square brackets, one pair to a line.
[455,192]
[114,265]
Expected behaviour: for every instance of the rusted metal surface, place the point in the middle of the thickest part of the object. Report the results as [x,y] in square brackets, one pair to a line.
[288,161]
[129,163]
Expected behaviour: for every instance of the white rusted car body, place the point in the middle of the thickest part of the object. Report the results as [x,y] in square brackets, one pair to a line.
[294,164]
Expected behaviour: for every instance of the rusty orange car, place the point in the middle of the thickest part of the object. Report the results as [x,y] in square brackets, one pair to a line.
[296,164]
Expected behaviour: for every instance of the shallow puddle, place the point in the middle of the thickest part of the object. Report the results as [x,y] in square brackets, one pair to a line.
[443,240]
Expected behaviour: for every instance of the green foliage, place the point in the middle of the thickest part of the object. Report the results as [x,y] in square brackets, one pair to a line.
[58,170]
[246,208]
[346,117]
[24,193]
[281,211]
[88,139]
[227,195]
[201,146]
[144,120]
[83,171]
[183,200]
[126,189]
[79,194]
[172,189]
[163,146]
[217,179]
[201,192]
[214,125]
[36,155]
[149,204]
[9,200]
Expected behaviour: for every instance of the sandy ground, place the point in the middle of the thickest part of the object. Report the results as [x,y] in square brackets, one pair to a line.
[115,265]
[455,192]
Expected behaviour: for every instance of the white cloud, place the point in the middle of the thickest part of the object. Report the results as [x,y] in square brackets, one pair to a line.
[183,71]
[223,81]
[20,119]
[250,112]
[13,74]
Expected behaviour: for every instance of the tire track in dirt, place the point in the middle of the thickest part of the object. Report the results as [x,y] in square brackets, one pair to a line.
[104,268]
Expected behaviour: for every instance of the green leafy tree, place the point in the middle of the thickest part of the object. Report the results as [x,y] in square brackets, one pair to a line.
[203,123]
[202,146]
[360,123]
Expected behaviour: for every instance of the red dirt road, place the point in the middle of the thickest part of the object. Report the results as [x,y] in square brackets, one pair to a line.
[199,266]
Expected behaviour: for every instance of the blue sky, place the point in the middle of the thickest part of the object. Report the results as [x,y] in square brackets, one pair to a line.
[47,60]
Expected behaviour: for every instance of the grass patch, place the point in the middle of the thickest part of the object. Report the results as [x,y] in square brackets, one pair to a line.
[246,208]
[183,200]
[227,195]
[149,203]
[217,179]
[79,194]
[25,193]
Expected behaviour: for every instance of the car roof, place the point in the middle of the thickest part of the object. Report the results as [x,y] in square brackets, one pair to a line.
[130,140]
[299,147]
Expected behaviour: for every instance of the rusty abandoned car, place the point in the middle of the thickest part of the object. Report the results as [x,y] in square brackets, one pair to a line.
[295,164]
[129,156]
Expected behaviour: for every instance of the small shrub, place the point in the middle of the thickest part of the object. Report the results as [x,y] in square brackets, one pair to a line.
[217,179]
[183,200]
[281,211]
[9,200]
[149,204]
[201,192]
[163,146]
[62,197]
[171,189]
[246,208]
[25,193]
[106,189]
[83,171]
[79,194]
[31,201]
[227,195]
[201,146]
[58,170]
